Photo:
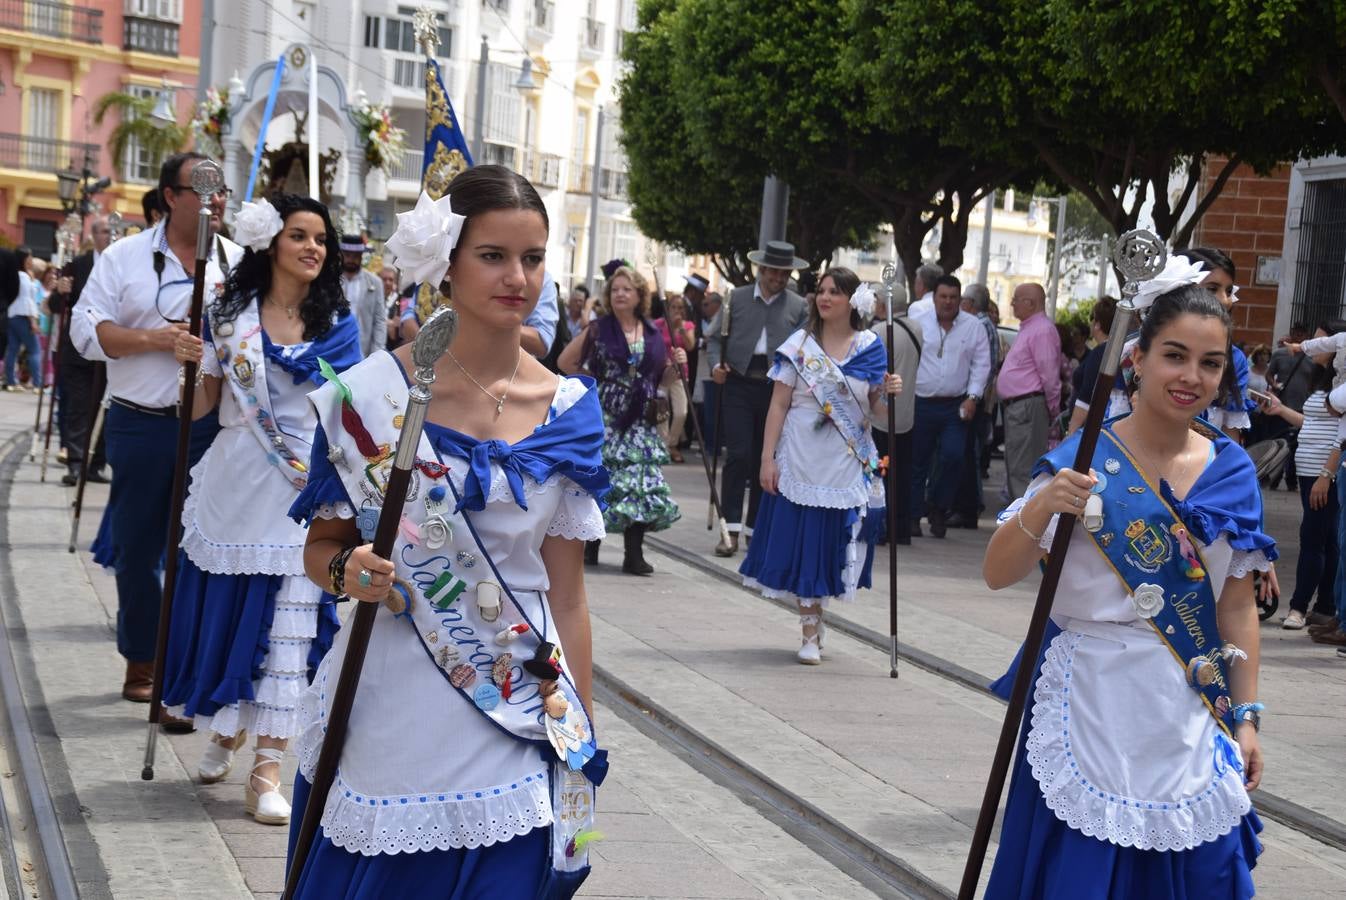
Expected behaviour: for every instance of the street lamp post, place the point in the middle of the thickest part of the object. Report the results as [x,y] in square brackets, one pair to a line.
[1056,256]
[523,84]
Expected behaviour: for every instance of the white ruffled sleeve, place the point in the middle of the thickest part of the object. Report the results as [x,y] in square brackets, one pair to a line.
[1037,484]
[577,517]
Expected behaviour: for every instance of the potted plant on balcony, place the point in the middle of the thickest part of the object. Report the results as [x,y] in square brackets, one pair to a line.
[384,143]
[210,121]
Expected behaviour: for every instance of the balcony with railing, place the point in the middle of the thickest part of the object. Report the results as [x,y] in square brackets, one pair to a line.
[612,184]
[408,167]
[541,20]
[47,18]
[45,155]
[591,38]
[150,36]
[581,178]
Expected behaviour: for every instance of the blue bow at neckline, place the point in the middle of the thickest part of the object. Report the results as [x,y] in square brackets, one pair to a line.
[570,445]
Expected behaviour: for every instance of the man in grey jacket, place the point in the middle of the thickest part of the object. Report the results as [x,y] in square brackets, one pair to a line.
[364,291]
[741,341]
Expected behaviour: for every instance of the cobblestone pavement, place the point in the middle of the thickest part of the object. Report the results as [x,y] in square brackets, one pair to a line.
[899,763]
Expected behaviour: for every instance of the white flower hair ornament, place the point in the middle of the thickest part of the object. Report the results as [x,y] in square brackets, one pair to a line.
[256,225]
[424,238]
[1178,271]
[862,301]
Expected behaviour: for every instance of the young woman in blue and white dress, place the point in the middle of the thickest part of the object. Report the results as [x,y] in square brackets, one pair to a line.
[823,505]
[247,623]
[1133,771]
[469,764]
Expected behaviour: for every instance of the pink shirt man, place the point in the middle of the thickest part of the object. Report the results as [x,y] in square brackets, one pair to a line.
[1033,363]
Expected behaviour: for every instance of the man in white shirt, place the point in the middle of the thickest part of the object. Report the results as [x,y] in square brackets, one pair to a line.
[136,302]
[364,292]
[924,285]
[950,382]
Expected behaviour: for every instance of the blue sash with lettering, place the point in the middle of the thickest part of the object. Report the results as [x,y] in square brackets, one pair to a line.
[1152,550]
[827,383]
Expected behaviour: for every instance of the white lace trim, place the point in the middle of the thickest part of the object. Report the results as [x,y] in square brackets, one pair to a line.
[774,594]
[1126,821]
[805,493]
[233,559]
[577,518]
[1245,561]
[274,710]
[412,823]
[339,510]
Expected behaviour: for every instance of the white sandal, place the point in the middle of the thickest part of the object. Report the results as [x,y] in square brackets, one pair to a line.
[810,651]
[269,807]
[218,760]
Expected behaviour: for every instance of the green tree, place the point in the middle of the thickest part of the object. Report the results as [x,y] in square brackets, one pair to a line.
[134,123]
[701,139]
[679,196]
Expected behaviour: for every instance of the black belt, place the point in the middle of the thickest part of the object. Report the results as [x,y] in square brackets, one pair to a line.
[1023,397]
[957,399]
[758,366]
[167,411]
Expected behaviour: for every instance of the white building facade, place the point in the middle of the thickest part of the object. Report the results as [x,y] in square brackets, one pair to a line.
[549,132]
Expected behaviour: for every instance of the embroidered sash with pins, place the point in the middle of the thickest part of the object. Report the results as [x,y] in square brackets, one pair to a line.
[506,665]
[1150,549]
[827,383]
[239,345]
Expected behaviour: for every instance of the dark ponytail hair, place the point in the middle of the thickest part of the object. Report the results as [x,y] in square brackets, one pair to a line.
[250,280]
[1213,259]
[847,282]
[1190,299]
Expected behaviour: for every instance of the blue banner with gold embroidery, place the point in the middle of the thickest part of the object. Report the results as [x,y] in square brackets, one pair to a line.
[1153,553]
[446,152]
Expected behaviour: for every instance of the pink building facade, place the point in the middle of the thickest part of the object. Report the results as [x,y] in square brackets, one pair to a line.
[56,60]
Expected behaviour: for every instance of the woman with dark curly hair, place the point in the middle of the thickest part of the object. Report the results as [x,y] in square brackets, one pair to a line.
[247,624]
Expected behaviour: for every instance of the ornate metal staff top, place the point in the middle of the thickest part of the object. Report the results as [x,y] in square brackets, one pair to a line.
[207,181]
[1140,255]
[425,22]
[431,342]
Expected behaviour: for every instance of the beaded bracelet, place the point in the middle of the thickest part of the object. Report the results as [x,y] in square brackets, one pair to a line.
[336,570]
[1019,518]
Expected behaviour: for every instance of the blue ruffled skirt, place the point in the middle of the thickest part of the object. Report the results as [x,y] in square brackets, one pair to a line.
[517,869]
[801,550]
[220,638]
[1043,858]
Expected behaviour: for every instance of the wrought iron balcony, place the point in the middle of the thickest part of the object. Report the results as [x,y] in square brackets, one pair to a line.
[51,19]
[45,155]
[591,38]
[542,16]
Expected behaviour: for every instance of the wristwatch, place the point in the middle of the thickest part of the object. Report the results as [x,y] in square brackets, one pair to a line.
[1249,715]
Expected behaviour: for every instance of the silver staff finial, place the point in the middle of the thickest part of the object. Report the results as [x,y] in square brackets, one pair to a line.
[207,179]
[1140,255]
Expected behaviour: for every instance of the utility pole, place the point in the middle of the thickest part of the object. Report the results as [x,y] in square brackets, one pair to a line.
[1056,255]
[594,180]
[478,127]
[984,267]
[775,205]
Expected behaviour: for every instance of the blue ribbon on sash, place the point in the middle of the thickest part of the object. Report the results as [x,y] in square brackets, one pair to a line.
[1153,552]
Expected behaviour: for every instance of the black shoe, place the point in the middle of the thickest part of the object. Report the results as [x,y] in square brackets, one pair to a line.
[634,561]
[916,529]
[97,477]
[938,526]
[69,479]
[591,552]
[962,520]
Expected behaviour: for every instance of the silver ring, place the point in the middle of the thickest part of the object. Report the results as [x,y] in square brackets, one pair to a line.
[366,578]
[1077,501]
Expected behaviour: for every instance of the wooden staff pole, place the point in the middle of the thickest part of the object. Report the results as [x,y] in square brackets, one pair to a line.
[431,342]
[207,180]
[1140,255]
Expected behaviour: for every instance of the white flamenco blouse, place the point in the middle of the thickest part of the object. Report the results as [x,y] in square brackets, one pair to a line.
[1121,747]
[420,769]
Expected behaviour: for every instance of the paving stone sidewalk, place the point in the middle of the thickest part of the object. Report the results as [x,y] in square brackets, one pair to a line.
[946,610]
[670,831]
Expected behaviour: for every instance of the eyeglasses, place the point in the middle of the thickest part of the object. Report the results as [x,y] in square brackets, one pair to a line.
[226,193]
